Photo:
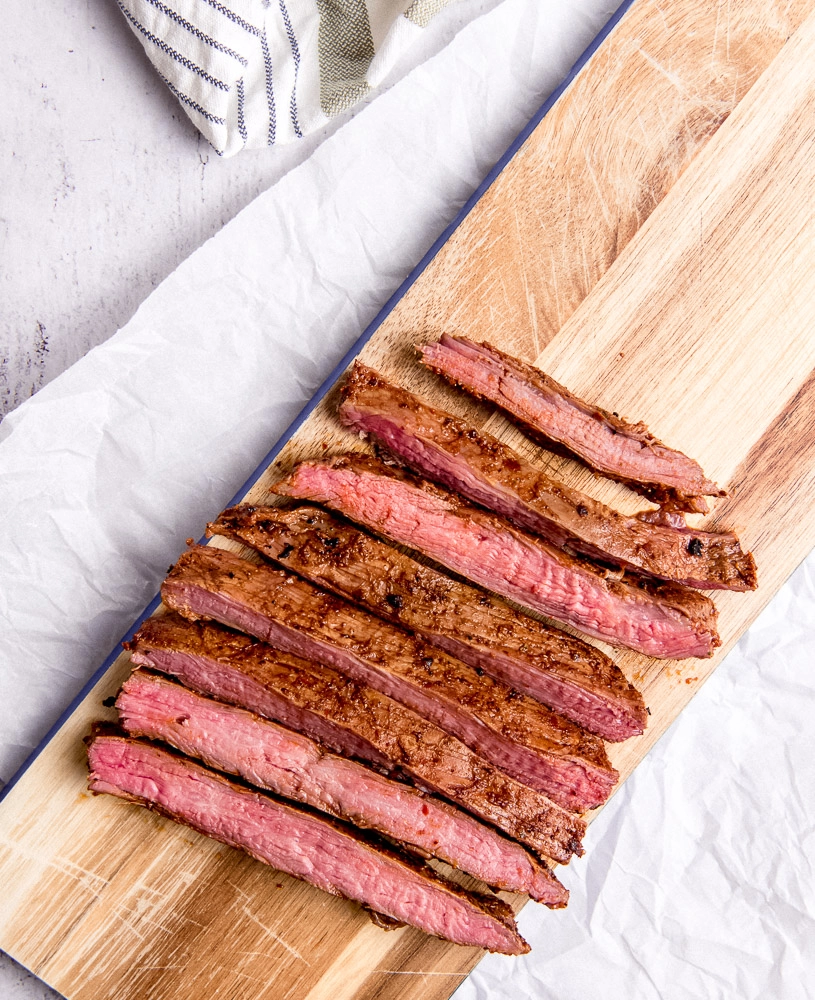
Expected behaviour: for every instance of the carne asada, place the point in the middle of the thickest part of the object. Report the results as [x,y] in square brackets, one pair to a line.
[547,410]
[452,452]
[572,677]
[660,619]
[333,856]
[356,721]
[516,733]
[294,766]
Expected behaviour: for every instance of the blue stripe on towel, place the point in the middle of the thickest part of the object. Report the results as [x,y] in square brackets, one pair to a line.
[183,60]
[193,104]
[233,17]
[267,62]
[295,51]
[175,16]
[241,119]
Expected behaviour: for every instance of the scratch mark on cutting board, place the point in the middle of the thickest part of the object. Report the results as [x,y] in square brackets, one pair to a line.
[117,912]
[607,215]
[237,972]
[275,937]
[140,912]
[214,971]
[168,930]
[88,880]
[254,954]
[529,294]
[587,282]
[140,887]
[715,35]
[407,972]
[556,290]
[157,968]
[672,77]
[661,13]
[726,34]
[241,892]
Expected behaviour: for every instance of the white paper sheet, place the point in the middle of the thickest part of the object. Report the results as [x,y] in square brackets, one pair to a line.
[697,880]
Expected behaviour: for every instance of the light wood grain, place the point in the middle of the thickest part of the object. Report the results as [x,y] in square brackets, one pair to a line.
[596,168]
[697,321]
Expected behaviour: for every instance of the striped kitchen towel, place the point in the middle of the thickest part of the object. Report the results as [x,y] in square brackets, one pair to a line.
[253,73]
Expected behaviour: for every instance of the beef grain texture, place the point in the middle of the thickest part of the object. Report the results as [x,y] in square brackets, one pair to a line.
[292,765]
[450,451]
[564,672]
[355,721]
[514,732]
[329,855]
[659,619]
[550,413]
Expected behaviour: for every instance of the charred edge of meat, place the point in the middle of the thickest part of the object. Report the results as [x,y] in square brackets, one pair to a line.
[558,669]
[486,355]
[451,452]
[667,620]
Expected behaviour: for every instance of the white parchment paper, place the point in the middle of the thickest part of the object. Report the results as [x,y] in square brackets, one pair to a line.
[697,880]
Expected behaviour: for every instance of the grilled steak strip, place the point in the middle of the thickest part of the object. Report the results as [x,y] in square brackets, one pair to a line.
[660,619]
[575,679]
[514,732]
[296,767]
[453,453]
[547,410]
[356,721]
[319,850]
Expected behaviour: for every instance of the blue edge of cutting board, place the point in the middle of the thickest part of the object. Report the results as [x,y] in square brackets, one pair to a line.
[332,379]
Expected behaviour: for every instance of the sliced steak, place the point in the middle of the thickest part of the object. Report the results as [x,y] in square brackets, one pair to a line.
[296,767]
[452,452]
[330,855]
[356,721]
[660,619]
[575,679]
[514,732]
[609,445]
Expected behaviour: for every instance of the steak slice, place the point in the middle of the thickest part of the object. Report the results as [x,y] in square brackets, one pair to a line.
[575,679]
[663,620]
[296,767]
[452,452]
[512,731]
[330,855]
[547,410]
[356,721]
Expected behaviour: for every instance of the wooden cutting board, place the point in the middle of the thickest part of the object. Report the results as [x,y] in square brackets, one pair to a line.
[652,244]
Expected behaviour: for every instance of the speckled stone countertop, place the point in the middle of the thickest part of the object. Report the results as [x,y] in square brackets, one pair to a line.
[107,186]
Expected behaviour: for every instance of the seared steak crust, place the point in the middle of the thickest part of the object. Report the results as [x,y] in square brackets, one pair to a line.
[333,856]
[572,677]
[452,452]
[290,764]
[660,619]
[514,732]
[356,721]
[547,410]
